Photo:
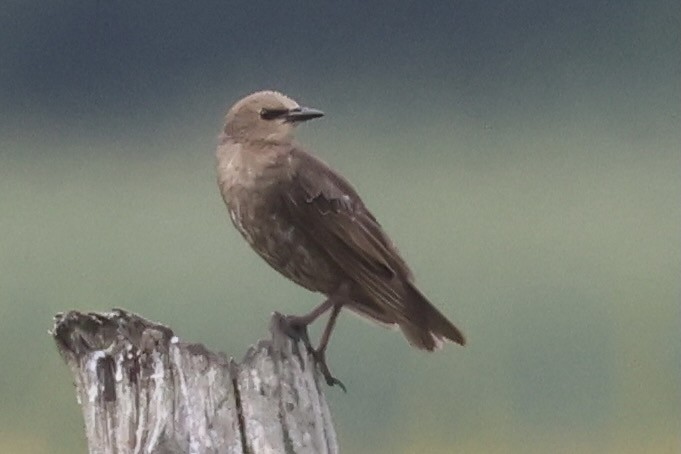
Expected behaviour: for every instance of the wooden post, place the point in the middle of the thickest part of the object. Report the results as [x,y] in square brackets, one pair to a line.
[142,390]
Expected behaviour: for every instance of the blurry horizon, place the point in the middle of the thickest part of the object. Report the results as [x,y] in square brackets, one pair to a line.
[523,156]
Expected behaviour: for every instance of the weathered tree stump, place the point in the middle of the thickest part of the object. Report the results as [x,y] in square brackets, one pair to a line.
[142,390]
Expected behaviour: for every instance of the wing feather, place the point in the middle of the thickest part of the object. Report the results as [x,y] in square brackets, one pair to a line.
[325,205]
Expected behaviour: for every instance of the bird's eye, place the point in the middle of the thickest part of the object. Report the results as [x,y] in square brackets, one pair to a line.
[271,114]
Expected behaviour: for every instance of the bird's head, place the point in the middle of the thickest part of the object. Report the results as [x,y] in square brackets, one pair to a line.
[266,116]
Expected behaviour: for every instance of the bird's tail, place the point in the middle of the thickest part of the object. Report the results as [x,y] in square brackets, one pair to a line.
[429,328]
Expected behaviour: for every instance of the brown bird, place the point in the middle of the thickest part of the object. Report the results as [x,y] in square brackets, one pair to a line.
[309,224]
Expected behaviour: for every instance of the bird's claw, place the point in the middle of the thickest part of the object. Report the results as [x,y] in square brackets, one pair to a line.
[320,361]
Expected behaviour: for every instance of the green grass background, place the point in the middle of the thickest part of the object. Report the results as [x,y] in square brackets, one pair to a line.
[552,242]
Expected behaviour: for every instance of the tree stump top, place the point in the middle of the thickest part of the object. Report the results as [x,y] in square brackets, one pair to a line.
[143,390]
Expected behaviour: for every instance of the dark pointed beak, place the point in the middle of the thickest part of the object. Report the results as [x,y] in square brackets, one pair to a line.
[303,114]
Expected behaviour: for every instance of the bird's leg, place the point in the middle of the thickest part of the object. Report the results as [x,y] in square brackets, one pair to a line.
[296,328]
[314,314]
[320,353]
[328,329]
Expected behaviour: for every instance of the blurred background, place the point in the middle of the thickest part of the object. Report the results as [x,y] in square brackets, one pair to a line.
[525,157]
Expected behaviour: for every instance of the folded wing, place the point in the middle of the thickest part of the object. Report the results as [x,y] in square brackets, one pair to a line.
[325,206]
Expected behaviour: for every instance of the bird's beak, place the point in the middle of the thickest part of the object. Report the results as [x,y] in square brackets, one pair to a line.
[298,114]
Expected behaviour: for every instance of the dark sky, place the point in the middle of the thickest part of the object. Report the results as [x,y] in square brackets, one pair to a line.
[77,61]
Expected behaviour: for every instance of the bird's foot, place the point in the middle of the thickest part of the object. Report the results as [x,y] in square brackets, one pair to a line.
[320,361]
[296,329]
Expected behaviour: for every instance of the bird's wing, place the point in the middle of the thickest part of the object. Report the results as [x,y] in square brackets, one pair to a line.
[324,205]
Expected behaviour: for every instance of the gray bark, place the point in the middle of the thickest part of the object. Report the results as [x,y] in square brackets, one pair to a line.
[142,390]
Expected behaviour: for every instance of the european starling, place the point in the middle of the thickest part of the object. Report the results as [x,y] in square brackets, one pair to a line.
[309,224]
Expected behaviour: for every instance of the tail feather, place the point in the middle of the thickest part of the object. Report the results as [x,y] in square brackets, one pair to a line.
[429,328]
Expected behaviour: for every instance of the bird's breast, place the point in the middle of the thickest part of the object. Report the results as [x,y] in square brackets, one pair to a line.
[287,248]
[252,188]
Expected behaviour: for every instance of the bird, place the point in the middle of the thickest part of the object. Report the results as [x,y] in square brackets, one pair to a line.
[309,223]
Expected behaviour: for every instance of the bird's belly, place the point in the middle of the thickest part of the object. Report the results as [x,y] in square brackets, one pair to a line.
[286,248]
